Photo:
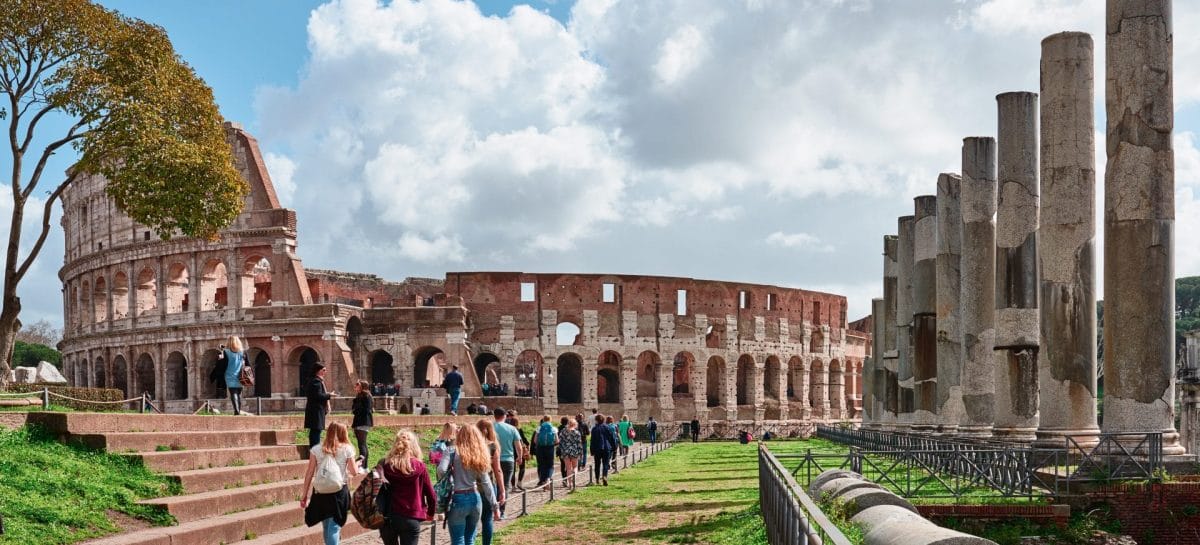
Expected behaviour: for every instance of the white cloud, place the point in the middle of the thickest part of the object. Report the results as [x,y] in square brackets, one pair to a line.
[281,170]
[802,241]
[438,249]
[680,54]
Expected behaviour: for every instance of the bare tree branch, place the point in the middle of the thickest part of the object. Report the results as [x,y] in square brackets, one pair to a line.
[49,151]
[47,210]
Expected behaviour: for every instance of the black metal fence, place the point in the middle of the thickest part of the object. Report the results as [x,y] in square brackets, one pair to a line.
[791,517]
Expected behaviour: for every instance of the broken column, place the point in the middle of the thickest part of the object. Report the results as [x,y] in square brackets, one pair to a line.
[1139,222]
[889,368]
[872,401]
[904,322]
[1017,316]
[924,301]
[1067,243]
[978,281]
[949,333]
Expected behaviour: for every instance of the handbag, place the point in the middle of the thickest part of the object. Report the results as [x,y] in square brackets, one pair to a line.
[444,488]
[246,376]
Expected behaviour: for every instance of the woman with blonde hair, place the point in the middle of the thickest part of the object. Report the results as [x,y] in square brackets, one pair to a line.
[470,465]
[443,444]
[488,430]
[412,497]
[330,468]
[235,359]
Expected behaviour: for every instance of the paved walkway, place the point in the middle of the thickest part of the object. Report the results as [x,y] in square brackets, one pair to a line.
[523,502]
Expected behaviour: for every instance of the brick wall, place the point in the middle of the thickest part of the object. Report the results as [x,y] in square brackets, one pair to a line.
[1154,514]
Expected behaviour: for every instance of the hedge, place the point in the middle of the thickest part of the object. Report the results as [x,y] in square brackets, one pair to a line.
[89,394]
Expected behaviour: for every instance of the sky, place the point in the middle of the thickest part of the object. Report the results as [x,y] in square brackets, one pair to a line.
[764,141]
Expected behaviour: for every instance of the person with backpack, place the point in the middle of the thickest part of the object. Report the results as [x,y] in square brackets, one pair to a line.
[234,360]
[469,469]
[316,406]
[603,444]
[443,444]
[544,441]
[364,419]
[493,443]
[652,430]
[330,468]
[410,491]
[625,434]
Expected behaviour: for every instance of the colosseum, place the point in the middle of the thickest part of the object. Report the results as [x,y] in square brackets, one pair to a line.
[145,315]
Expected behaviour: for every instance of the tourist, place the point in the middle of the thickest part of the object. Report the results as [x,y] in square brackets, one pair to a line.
[443,444]
[425,411]
[217,375]
[234,360]
[544,440]
[570,443]
[616,441]
[603,445]
[510,447]
[470,466]
[329,504]
[411,492]
[472,408]
[652,430]
[625,434]
[364,419]
[562,462]
[453,385]
[583,433]
[316,406]
[519,478]
[489,437]
[695,430]
[482,410]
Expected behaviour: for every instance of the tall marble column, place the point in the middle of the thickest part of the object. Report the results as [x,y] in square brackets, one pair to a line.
[1017,334]
[924,302]
[890,366]
[1139,222]
[904,322]
[1067,244]
[949,332]
[872,401]
[978,281]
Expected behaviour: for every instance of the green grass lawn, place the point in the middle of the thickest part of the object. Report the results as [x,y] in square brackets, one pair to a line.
[52,493]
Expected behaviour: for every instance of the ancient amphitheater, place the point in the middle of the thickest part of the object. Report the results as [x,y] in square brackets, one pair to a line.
[146,316]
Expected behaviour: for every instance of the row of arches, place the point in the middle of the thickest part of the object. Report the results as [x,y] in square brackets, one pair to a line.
[91,299]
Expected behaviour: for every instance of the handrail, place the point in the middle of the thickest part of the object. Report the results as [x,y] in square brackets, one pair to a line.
[790,515]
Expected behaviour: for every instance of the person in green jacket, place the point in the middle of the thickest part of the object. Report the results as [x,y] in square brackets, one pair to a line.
[624,433]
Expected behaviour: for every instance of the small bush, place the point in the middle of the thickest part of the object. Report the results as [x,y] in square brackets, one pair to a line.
[87,394]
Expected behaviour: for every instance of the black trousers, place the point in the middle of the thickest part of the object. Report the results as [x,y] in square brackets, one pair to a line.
[401,531]
[361,437]
[314,437]
[235,397]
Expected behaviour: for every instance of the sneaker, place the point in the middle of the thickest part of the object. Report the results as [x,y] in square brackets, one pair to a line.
[605,481]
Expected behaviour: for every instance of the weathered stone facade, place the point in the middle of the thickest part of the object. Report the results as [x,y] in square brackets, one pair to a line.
[147,315]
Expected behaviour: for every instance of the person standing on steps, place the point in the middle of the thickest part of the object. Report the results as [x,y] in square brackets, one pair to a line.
[453,385]
[412,497]
[652,430]
[471,467]
[330,468]
[603,444]
[510,447]
[234,360]
[364,419]
[316,406]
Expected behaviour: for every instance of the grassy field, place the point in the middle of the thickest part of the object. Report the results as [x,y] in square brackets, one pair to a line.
[53,494]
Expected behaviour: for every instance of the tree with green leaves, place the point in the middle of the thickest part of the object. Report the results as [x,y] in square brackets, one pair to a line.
[76,76]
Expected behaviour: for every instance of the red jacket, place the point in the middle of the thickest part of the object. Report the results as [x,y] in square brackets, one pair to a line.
[412,494]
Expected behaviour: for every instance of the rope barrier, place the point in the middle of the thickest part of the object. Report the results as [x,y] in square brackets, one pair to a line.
[21,394]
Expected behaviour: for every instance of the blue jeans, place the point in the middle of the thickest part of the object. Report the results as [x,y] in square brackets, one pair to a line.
[331,531]
[653,437]
[454,395]
[485,516]
[463,517]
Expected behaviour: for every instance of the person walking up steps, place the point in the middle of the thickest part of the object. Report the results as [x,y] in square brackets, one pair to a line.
[364,419]
[234,360]
[330,468]
[316,406]
[453,384]
[544,440]
[489,436]
[470,467]
[412,497]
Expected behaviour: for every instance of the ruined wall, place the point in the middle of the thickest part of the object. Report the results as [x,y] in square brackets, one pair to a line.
[370,291]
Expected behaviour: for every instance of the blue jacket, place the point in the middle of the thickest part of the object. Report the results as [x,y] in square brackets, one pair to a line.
[453,381]
[604,439]
[233,366]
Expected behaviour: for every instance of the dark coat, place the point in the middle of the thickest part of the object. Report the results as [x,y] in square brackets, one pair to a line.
[217,374]
[363,412]
[604,439]
[316,407]
[452,381]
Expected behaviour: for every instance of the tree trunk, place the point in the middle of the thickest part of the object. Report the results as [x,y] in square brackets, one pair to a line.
[9,326]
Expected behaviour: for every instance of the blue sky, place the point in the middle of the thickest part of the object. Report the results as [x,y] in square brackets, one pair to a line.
[765,141]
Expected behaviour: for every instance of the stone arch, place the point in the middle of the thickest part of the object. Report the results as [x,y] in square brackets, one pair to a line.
[261,360]
[570,378]
[120,375]
[214,285]
[304,359]
[146,299]
[487,369]
[178,288]
[835,387]
[143,376]
[568,331]
[120,295]
[648,367]
[354,332]
[795,365]
[175,382]
[382,369]
[608,377]
[681,373]
[715,387]
[528,368]
[426,375]
[745,380]
[772,373]
[256,281]
[211,389]
[100,300]
[98,372]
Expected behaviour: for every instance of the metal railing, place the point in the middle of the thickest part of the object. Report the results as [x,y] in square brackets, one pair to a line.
[791,517]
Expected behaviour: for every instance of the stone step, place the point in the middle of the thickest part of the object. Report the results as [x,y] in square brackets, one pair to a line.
[223,529]
[184,460]
[305,535]
[215,503]
[223,478]
[184,440]
[97,423]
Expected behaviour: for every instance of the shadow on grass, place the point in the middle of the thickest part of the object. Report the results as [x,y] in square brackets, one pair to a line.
[698,505]
[697,528]
[710,479]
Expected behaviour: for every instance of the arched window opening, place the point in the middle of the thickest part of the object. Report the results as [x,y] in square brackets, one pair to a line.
[681,373]
[177,288]
[212,384]
[771,377]
[256,282]
[120,376]
[566,334]
[608,377]
[570,379]
[647,374]
[214,286]
[120,295]
[100,301]
[745,380]
[144,376]
[382,371]
[529,373]
[429,366]
[715,391]
[305,359]
[147,292]
[98,369]
[487,370]
[176,386]
[262,372]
